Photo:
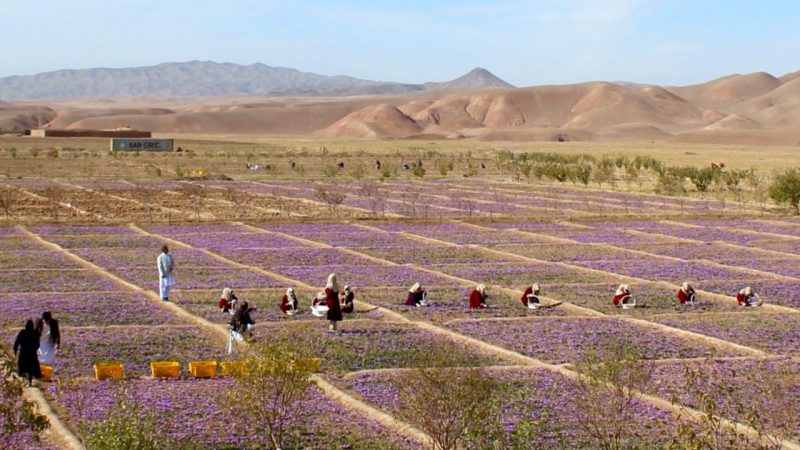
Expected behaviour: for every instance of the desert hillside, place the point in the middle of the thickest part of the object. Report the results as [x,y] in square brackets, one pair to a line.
[756,108]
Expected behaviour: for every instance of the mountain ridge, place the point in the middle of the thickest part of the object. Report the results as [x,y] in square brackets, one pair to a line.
[210,79]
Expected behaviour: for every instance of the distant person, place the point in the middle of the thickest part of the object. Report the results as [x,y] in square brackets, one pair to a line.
[340,165]
[292,165]
[289,302]
[686,294]
[334,313]
[347,299]
[227,301]
[241,325]
[623,297]
[26,346]
[530,298]
[49,338]
[377,165]
[748,297]
[419,162]
[406,167]
[318,306]
[478,297]
[483,166]
[165,267]
[416,296]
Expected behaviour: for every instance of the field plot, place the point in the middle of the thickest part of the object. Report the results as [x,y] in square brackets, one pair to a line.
[579,263]
[562,340]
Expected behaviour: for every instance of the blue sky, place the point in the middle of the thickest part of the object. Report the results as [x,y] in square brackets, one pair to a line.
[526,42]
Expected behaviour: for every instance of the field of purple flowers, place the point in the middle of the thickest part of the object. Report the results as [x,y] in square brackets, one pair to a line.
[579,264]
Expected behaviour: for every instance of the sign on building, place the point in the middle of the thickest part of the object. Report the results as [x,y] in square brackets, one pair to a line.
[141,145]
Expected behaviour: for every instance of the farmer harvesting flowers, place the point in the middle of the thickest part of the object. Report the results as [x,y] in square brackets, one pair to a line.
[165,266]
[241,325]
[686,294]
[748,297]
[416,296]
[623,297]
[289,302]
[477,299]
[346,298]
[334,313]
[530,298]
[227,301]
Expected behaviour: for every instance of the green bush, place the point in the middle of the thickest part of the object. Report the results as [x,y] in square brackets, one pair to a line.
[785,189]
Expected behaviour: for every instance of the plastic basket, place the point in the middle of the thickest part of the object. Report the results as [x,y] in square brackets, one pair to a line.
[231,367]
[108,370]
[165,369]
[47,372]
[203,369]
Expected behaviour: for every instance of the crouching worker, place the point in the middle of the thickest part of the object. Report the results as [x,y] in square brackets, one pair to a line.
[289,302]
[686,294]
[318,306]
[747,297]
[416,296]
[241,325]
[530,298]
[347,298]
[623,297]
[477,299]
[227,301]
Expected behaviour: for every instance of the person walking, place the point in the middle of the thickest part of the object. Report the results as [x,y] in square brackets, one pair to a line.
[26,345]
[49,338]
[165,266]
[334,314]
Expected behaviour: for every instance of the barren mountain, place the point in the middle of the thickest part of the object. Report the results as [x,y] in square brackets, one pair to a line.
[207,78]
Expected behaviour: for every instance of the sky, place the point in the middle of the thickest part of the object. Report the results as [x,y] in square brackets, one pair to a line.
[525,42]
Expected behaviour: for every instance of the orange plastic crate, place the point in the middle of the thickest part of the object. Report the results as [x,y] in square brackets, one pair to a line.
[165,369]
[108,370]
[203,369]
[47,372]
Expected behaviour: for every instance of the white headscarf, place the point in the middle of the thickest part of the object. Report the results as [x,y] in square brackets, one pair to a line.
[227,293]
[535,287]
[622,288]
[332,284]
[347,288]
[685,287]
[747,291]
[481,288]
[415,288]
[290,293]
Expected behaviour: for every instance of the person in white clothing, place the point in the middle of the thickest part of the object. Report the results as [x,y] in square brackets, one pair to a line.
[165,279]
[49,338]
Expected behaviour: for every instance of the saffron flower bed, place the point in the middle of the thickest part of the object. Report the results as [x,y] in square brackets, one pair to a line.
[689,251]
[295,256]
[784,293]
[561,340]
[189,412]
[772,332]
[145,257]
[223,242]
[91,241]
[82,230]
[84,309]
[548,398]
[769,386]
[361,276]
[519,275]
[667,270]
[12,243]
[33,259]
[780,266]
[198,277]
[569,252]
[64,280]
[434,255]
[369,344]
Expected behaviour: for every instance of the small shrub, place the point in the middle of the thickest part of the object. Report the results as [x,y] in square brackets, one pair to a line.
[785,189]
[17,415]
[126,427]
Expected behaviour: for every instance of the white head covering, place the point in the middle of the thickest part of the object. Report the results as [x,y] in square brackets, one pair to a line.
[290,292]
[320,295]
[415,288]
[622,288]
[747,290]
[347,288]
[685,286]
[481,288]
[535,287]
[332,284]
[227,293]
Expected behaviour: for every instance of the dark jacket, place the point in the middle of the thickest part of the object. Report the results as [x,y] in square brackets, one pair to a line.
[348,305]
[27,343]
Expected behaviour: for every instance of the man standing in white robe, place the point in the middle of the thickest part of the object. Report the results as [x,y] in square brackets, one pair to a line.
[165,266]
